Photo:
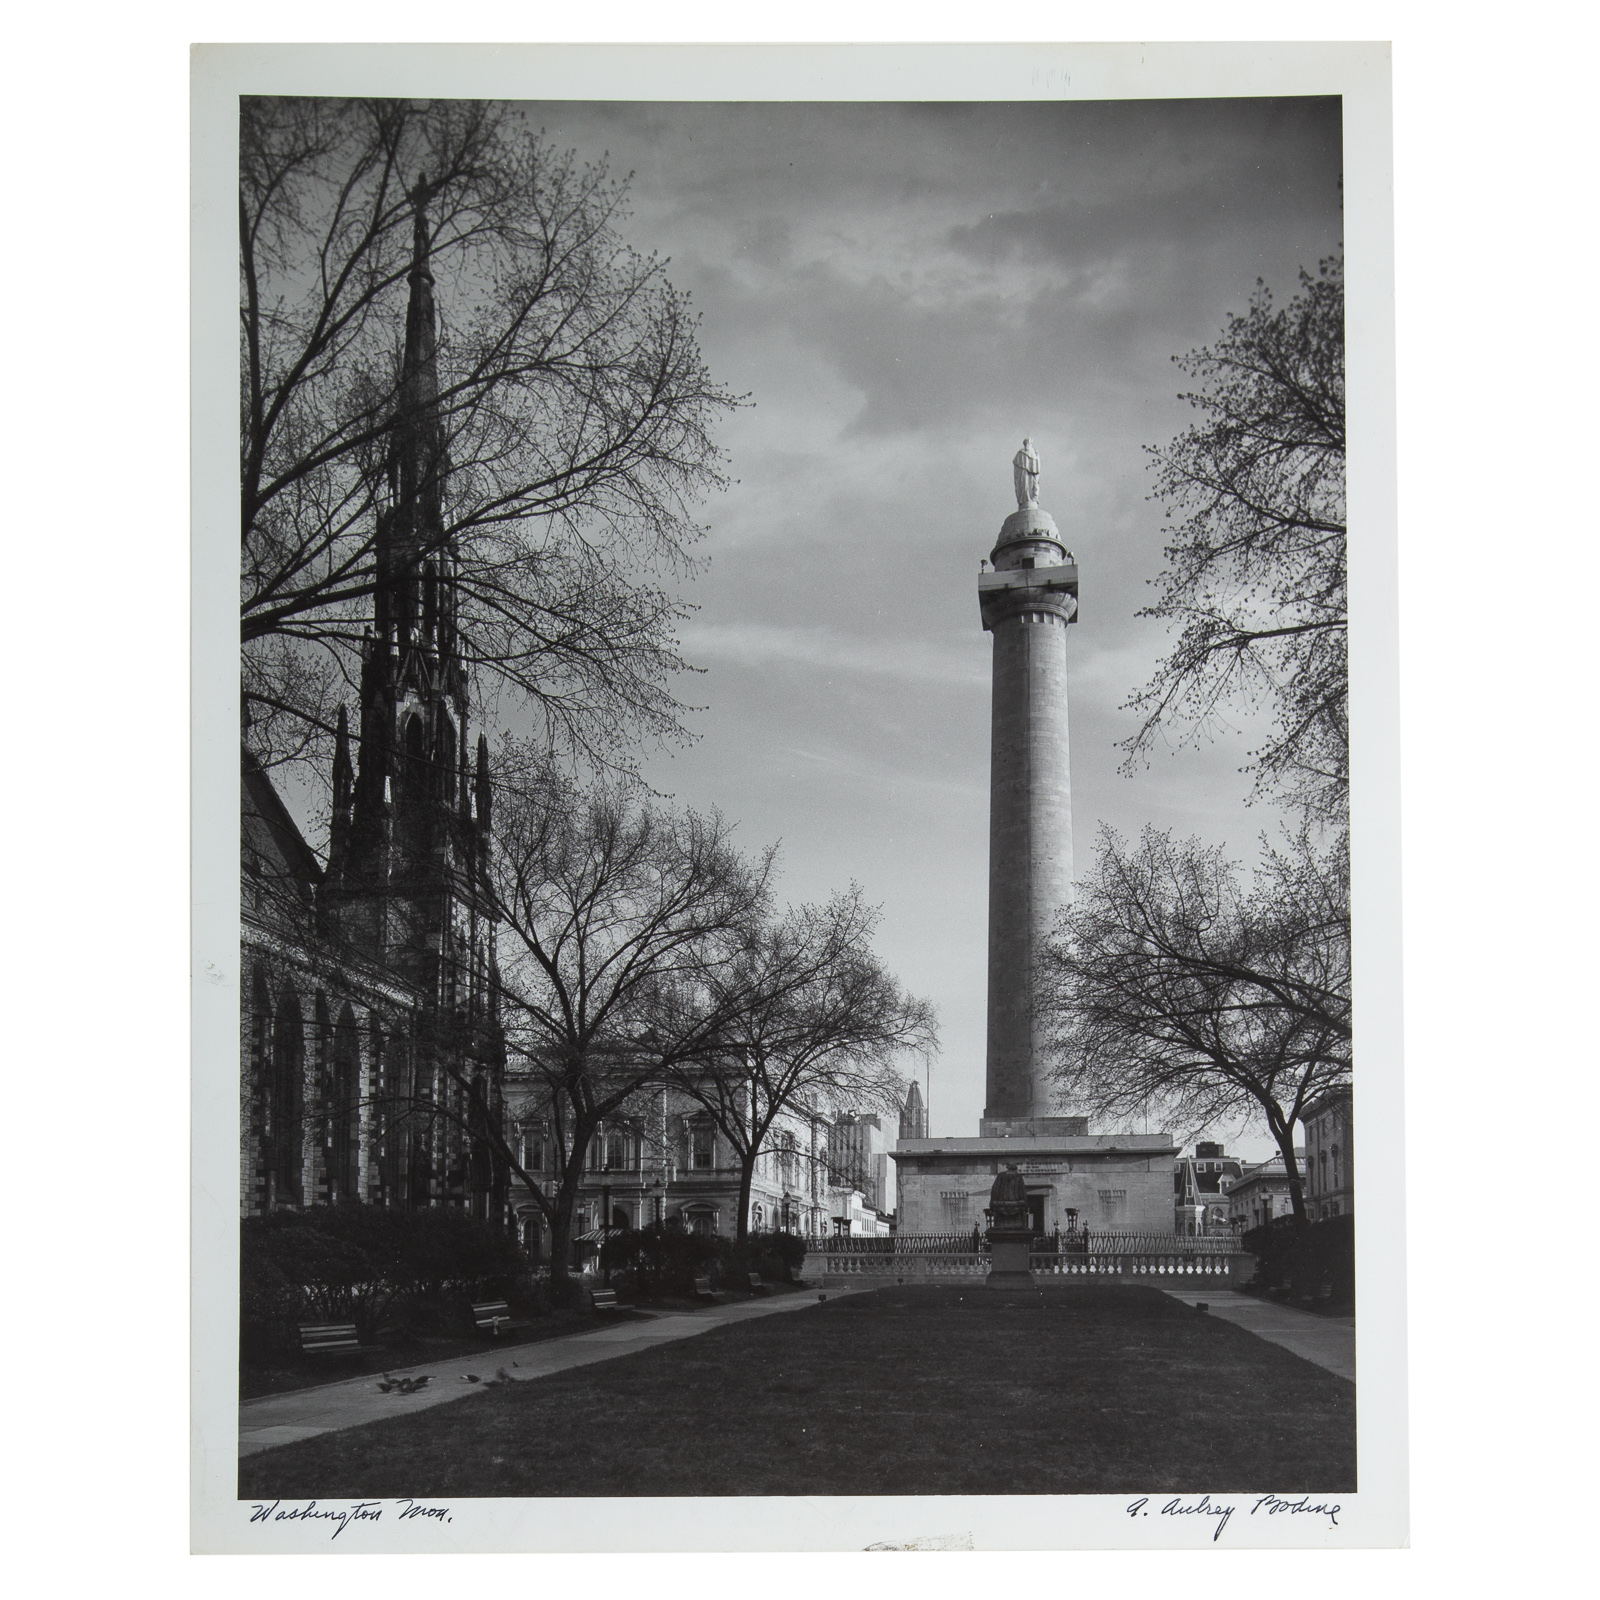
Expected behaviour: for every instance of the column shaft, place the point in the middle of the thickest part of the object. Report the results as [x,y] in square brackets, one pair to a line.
[1030,847]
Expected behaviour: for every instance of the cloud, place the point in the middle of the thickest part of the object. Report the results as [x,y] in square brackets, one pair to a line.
[755,646]
[905,290]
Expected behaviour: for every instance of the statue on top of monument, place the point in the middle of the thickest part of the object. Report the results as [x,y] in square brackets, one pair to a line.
[1025,475]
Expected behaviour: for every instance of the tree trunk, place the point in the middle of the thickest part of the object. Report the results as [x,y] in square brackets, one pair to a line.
[561,1222]
[561,1249]
[747,1172]
[1283,1132]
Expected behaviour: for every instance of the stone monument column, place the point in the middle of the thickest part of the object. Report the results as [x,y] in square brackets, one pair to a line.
[1026,602]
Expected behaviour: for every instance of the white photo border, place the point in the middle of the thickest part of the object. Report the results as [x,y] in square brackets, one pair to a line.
[1377,1515]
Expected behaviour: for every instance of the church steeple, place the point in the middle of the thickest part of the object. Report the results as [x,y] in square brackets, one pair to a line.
[412,551]
[412,876]
[484,793]
[913,1115]
[343,794]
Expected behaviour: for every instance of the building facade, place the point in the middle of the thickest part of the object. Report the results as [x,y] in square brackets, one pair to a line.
[858,1159]
[1107,1183]
[1200,1190]
[665,1160]
[1261,1193]
[1329,1164]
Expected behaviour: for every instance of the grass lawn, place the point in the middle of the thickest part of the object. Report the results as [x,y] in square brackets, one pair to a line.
[901,1391]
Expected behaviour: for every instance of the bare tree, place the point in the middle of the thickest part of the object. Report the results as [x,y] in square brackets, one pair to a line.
[568,426]
[1255,571]
[1173,990]
[813,1022]
[623,928]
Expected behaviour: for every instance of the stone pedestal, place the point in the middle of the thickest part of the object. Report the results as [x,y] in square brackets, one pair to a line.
[1010,1232]
[1008,1259]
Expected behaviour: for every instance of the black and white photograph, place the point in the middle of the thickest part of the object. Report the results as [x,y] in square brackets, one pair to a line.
[796,812]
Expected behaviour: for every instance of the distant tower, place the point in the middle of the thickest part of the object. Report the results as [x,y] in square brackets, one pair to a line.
[914,1115]
[1026,603]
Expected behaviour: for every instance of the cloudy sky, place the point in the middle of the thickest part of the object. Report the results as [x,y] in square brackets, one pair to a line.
[904,291]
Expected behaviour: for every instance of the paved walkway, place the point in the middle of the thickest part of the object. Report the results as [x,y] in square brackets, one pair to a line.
[1328,1341]
[303,1413]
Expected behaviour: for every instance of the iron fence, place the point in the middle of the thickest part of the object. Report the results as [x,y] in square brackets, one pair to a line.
[1091,1243]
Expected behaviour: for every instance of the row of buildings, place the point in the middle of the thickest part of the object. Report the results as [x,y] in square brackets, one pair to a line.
[1215,1193]
[669,1161]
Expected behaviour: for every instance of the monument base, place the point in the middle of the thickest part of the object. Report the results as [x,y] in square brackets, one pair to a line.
[1008,1260]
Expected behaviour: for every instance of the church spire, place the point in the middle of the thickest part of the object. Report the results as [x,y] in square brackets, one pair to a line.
[411,530]
[484,792]
[913,1114]
[343,793]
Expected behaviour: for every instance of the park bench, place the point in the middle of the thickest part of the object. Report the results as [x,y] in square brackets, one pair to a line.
[494,1317]
[332,1339]
[756,1285]
[703,1289]
[606,1300]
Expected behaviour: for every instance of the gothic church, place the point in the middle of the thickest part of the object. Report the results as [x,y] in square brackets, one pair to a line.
[372,1053]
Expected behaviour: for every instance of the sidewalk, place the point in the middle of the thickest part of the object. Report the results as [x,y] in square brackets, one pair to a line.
[1328,1341]
[303,1413]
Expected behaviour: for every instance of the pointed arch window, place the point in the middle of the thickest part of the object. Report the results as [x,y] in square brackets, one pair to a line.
[344,1110]
[285,1108]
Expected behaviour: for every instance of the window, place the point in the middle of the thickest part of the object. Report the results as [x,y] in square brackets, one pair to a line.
[533,1146]
[616,1149]
[1335,1154]
[1113,1205]
[344,1123]
[702,1145]
[285,1104]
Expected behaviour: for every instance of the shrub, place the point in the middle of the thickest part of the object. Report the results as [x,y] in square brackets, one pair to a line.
[1306,1261]
[270,1309]
[369,1264]
[669,1258]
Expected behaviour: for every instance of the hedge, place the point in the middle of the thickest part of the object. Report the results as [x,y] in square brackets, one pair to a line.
[372,1266]
[670,1258]
[1314,1261]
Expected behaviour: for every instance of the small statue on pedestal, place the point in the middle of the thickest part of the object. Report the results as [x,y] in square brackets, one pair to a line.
[1010,1232]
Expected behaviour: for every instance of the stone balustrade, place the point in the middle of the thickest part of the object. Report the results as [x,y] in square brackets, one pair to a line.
[1164,1261]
